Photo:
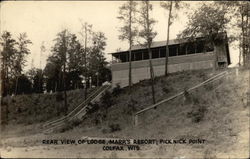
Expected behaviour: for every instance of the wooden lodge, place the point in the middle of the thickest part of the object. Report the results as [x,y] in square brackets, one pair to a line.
[183,55]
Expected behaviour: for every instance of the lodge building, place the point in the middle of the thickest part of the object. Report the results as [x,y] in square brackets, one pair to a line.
[183,55]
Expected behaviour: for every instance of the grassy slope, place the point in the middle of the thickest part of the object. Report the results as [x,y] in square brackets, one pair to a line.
[226,109]
[141,94]
[36,108]
[224,126]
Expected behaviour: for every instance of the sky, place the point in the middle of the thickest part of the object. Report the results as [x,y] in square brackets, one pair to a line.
[42,20]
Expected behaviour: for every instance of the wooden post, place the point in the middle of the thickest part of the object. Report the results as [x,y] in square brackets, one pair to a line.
[136,120]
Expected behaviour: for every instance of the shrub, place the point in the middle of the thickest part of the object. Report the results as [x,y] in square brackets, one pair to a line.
[202,75]
[114,127]
[105,130]
[70,125]
[131,107]
[197,114]
[199,109]
[208,87]
[13,100]
[167,89]
[188,97]
[59,96]
[117,90]
[93,107]
[75,122]
[107,100]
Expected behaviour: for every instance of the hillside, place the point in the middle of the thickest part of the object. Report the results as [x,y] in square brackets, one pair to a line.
[216,112]
[37,108]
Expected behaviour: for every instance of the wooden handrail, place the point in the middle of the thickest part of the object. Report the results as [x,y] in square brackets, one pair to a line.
[181,93]
[64,117]
[58,122]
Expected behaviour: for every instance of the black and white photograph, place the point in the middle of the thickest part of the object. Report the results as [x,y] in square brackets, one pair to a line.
[125,79]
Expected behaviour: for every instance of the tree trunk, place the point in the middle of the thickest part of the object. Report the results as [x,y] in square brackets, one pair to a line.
[130,45]
[16,85]
[243,38]
[149,42]
[85,61]
[247,36]
[167,43]
[130,70]
[151,74]
[215,57]
[65,93]
[240,54]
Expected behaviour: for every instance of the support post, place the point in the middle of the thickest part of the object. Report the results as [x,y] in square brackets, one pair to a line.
[136,120]
[237,71]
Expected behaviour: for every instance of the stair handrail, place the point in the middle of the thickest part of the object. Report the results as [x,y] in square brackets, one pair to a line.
[107,87]
[218,76]
[64,117]
[98,92]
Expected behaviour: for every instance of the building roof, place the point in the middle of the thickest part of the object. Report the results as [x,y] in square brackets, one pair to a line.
[154,44]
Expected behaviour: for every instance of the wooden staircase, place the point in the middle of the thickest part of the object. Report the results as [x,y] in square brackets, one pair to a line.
[78,112]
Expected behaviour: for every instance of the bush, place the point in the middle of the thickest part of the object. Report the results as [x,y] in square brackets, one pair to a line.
[199,109]
[114,127]
[131,107]
[107,100]
[167,89]
[70,125]
[59,96]
[117,90]
[198,114]
[93,107]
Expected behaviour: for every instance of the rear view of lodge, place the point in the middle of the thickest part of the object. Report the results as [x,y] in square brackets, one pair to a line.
[183,55]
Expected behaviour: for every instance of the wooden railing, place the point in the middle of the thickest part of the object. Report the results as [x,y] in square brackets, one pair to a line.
[212,79]
[78,110]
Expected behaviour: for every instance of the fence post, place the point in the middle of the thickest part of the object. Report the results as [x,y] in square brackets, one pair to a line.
[237,71]
[136,119]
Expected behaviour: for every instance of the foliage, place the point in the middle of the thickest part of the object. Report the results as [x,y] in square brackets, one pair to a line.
[82,61]
[148,35]
[22,51]
[94,107]
[127,15]
[114,127]
[97,62]
[199,108]
[170,6]
[36,76]
[117,90]
[24,86]
[107,100]
[131,108]
[13,61]
[239,13]
[208,21]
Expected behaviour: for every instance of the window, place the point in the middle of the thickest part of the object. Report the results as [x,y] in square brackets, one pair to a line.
[163,52]
[155,53]
[173,49]
[145,55]
[209,48]
[138,56]
[191,48]
[182,49]
[132,56]
[200,46]
[123,57]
